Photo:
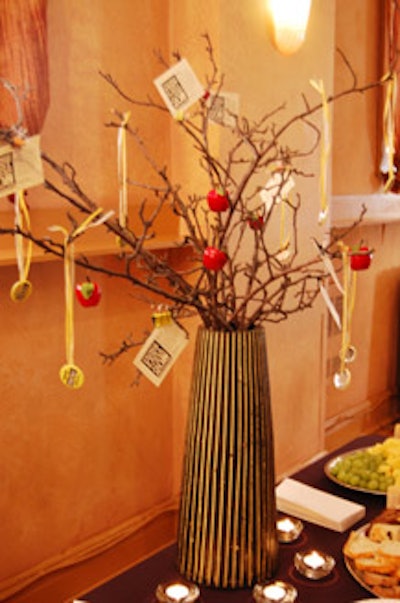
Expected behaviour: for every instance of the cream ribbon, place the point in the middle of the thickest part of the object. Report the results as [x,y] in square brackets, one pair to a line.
[122,171]
[284,237]
[330,305]
[325,295]
[325,151]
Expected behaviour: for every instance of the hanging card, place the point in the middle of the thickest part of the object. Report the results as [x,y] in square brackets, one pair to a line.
[179,87]
[20,167]
[224,107]
[160,351]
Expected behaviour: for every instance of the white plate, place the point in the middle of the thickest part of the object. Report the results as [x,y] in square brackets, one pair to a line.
[358,576]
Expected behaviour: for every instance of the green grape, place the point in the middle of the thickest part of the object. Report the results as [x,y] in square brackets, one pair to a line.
[354,480]
[363,469]
[335,470]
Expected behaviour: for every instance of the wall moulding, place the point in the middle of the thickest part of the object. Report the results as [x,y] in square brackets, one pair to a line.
[96,560]
[382,208]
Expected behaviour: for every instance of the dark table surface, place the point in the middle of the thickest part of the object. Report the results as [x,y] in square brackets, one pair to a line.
[138,584]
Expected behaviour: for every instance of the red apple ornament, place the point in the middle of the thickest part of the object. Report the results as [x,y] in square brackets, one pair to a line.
[360,258]
[88,293]
[255,221]
[214,259]
[218,200]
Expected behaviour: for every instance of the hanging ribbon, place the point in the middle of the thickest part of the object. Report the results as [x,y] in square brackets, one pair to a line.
[325,151]
[329,266]
[325,295]
[387,165]
[70,374]
[22,289]
[347,352]
[122,173]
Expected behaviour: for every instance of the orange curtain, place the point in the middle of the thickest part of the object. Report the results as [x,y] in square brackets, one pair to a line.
[23,62]
[392,65]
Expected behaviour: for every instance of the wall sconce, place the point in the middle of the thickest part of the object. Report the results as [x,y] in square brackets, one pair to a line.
[289,23]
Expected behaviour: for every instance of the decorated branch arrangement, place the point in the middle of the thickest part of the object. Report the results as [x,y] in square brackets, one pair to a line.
[246,267]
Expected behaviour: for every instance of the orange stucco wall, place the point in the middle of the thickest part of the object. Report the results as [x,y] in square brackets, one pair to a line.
[76,463]
[357,137]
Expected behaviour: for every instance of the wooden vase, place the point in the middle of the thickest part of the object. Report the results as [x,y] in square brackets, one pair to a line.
[227,528]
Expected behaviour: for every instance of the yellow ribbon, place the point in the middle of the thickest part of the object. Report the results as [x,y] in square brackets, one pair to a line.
[89,221]
[22,219]
[284,239]
[325,150]
[349,296]
[389,110]
[162,318]
[69,280]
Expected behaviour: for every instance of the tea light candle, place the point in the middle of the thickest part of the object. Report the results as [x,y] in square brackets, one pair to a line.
[314,564]
[177,592]
[274,592]
[289,529]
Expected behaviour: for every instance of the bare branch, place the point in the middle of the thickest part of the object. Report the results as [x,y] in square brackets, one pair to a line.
[264,279]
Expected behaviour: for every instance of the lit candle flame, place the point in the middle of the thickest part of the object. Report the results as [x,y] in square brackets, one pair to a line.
[273,592]
[285,525]
[314,560]
[177,592]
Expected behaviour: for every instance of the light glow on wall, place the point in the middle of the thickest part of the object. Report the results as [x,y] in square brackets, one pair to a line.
[289,23]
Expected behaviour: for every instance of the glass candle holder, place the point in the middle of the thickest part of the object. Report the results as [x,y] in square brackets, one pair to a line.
[289,529]
[274,592]
[177,592]
[314,564]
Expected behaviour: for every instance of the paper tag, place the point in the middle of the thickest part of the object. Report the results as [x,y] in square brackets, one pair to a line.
[159,352]
[20,167]
[179,87]
[224,106]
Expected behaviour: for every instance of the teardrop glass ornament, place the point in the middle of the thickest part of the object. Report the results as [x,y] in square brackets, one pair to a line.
[341,379]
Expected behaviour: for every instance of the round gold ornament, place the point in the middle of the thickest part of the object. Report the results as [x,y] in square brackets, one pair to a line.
[72,376]
[20,291]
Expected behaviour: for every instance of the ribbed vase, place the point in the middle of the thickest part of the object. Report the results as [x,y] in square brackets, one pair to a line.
[227,534]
